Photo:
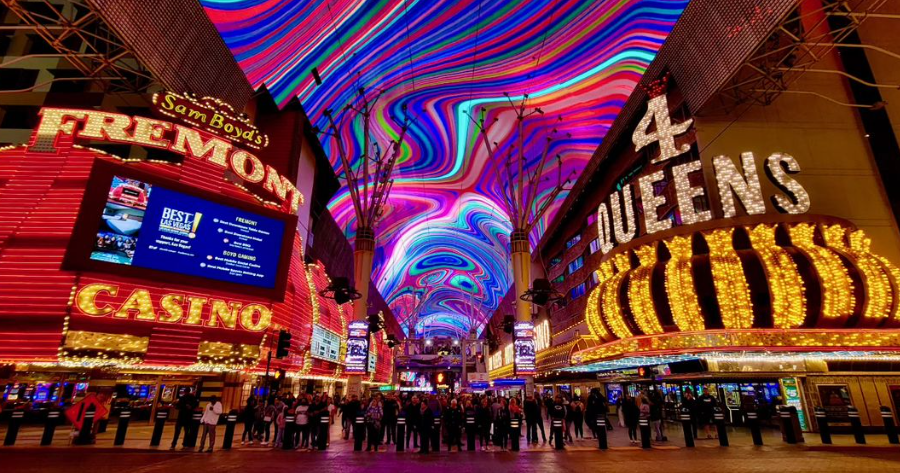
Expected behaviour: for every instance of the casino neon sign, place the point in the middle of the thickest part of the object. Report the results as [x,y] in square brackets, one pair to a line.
[152,133]
[105,300]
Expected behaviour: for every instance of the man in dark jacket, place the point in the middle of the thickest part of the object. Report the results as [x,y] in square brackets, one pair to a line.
[533,420]
[186,405]
[426,421]
[557,411]
[391,410]
[453,419]
[413,412]
[352,408]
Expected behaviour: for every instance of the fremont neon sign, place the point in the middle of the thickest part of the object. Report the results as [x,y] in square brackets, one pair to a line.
[178,139]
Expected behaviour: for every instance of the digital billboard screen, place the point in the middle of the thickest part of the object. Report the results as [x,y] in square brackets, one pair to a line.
[525,353]
[136,224]
[357,360]
[149,226]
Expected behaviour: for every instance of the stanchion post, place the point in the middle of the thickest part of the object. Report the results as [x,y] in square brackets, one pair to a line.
[470,433]
[645,433]
[359,433]
[400,441]
[12,432]
[436,435]
[193,429]
[290,428]
[684,415]
[515,431]
[86,433]
[50,427]
[161,417]
[753,424]
[890,428]
[556,430]
[230,423]
[601,432]
[324,423]
[719,417]
[856,425]
[122,429]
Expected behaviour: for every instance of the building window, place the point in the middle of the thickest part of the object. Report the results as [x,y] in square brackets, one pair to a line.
[592,218]
[555,260]
[574,241]
[559,279]
[595,246]
[576,264]
[578,291]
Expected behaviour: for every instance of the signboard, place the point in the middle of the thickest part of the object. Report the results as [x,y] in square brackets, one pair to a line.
[793,397]
[149,226]
[525,353]
[478,377]
[210,114]
[325,344]
[77,411]
[357,360]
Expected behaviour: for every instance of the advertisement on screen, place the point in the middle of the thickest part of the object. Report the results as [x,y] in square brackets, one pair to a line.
[357,360]
[149,226]
[525,353]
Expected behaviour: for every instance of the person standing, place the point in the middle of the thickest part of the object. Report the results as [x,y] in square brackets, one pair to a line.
[578,417]
[391,411]
[483,419]
[631,413]
[426,419]
[301,419]
[280,423]
[532,418]
[413,413]
[453,419]
[690,404]
[186,406]
[209,421]
[267,419]
[374,416]
[248,417]
[706,408]
[557,412]
[656,415]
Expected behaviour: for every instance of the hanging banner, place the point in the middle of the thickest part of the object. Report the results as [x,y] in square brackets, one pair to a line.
[525,359]
[357,360]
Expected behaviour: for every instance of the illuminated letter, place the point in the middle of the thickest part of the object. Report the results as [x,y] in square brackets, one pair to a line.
[623,234]
[778,168]
[216,121]
[729,179]
[86,299]
[53,122]
[226,312]
[189,143]
[265,317]
[107,126]
[149,132]
[239,162]
[195,310]
[168,102]
[172,309]
[138,300]
[277,184]
[651,202]
[604,229]
[685,193]
[665,133]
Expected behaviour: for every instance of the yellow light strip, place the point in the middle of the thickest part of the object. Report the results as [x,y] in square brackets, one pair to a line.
[611,307]
[786,287]
[732,290]
[640,298]
[680,286]
[837,287]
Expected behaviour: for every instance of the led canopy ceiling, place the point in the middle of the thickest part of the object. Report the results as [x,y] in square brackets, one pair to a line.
[442,261]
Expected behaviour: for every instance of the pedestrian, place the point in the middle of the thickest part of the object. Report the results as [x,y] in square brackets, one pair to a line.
[557,412]
[578,418]
[267,419]
[631,412]
[413,413]
[280,423]
[391,411]
[656,415]
[248,417]
[533,420]
[706,408]
[374,416]
[426,419]
[453,419]
[209,421]
[483,419]
[301,419]
[690,404]
[186,405]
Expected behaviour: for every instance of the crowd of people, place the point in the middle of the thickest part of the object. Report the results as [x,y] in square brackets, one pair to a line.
[265,419]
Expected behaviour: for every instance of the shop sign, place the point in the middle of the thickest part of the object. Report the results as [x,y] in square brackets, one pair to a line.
[185,141]
[616,215]
[525,359]
[357,359]
[141,304]
[210,114]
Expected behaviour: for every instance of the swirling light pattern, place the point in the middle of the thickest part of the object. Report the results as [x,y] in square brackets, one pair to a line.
[445,236]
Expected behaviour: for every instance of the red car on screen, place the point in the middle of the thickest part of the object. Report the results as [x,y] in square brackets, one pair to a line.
[130,195]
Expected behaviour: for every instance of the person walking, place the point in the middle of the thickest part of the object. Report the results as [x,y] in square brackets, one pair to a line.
[186,406]
[248,417]
[209,421]
[374,416]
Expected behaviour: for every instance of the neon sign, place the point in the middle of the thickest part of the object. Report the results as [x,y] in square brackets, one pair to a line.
[178,139]
[210,114]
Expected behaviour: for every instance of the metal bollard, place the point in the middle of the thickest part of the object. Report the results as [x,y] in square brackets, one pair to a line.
[719,417]
[230,423]
[122,429]
[685,417]
[161,417]
[436,435]
[515,431]
[753,424]
[824,428]
[856,425]
[324,423]
[359,433]
[50,427]
[645,433]
[400,441]
[890,428]
[192,430]
[102,424]
[556,430]
[15,422]
[601,432]
[86,432]
[470,433]
[290,428]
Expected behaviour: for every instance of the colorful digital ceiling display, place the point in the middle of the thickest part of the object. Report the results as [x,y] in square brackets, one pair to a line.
[442,261]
